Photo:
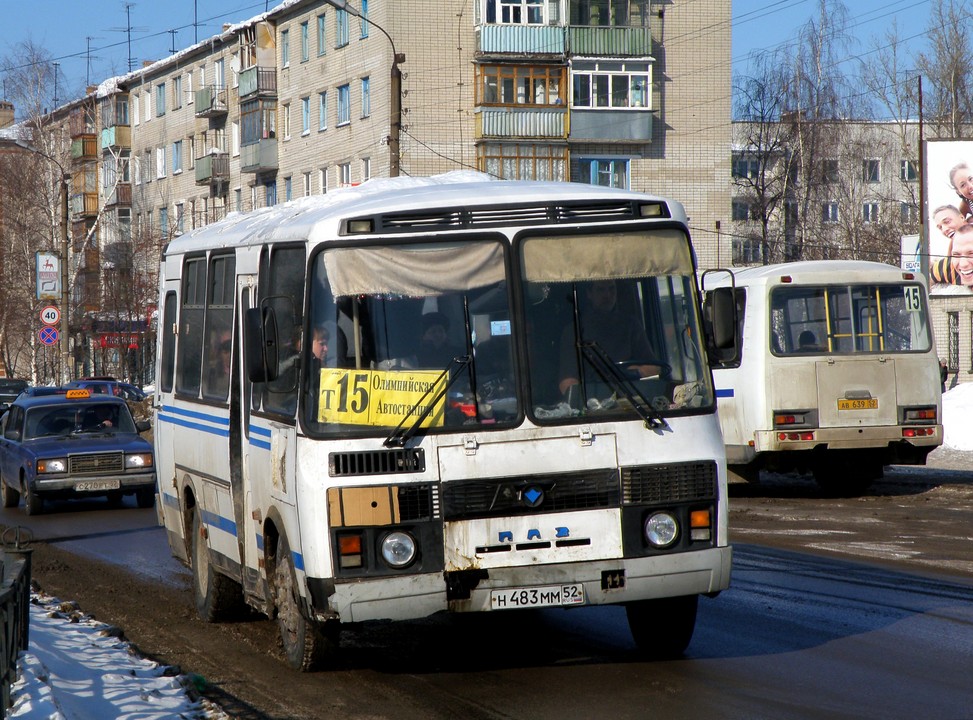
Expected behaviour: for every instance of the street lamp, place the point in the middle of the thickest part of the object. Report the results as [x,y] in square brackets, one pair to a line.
[65,184]
[395,88]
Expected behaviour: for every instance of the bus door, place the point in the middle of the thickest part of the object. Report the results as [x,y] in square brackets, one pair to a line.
[249,529]
[164,428]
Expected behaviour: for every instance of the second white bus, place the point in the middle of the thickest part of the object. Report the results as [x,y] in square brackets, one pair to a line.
[836,371]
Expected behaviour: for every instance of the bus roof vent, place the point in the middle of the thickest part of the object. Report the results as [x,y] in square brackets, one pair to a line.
[377,462]
[569,211]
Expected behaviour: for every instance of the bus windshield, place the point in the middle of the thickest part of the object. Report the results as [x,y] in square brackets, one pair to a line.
[393,343]
[848,319]
[612,325]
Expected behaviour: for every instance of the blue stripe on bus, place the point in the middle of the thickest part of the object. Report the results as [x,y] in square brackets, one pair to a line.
[297,557]
[218,521]
[193,425]
[259,444]
[724,392]
[263,432]
[257,430]
[218,419]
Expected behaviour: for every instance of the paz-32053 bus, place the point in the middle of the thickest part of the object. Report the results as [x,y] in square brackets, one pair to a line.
[394,400]
[838,373]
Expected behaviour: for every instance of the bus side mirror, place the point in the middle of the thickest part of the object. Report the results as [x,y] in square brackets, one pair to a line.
[260,344]
[720,312]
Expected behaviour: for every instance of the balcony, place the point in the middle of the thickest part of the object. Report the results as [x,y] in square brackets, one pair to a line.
[211,102]
[84,204]
[259,156]
[521,123]
[615,125]
[212,169]
[84,147]
[119,136]
[121,195]
[611,41]
[521,39]
[258,81]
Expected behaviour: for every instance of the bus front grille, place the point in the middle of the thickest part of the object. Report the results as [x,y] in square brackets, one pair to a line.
[376,462]
[494,497]
[96,464]
[666,484]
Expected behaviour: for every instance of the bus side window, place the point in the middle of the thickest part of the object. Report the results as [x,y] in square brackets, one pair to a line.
[281,285]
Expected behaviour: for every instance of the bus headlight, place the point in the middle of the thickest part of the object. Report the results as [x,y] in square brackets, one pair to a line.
[661,529]
[398,549]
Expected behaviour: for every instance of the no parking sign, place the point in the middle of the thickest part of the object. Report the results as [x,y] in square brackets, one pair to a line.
[48,335]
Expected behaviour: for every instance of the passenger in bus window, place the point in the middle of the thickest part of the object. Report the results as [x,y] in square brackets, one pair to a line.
[435,350]
[617,332]
[218,374]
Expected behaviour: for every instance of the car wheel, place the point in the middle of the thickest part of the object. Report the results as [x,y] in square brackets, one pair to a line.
[145,498]
[33,503]
[11,496]
[306,643]
[217,597]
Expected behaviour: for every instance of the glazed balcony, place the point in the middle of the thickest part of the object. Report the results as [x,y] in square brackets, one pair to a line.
[119,136]
[84,147]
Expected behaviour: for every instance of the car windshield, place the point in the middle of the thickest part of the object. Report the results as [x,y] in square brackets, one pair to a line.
[65,419]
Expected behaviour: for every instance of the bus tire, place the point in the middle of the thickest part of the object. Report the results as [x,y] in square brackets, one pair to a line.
[305,642]
[662,628]
[11,496]
[217,597]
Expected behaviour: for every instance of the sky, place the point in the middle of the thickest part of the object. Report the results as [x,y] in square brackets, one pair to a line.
[91,44]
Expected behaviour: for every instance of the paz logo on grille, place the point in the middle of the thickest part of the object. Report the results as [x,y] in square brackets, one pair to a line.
[532,496]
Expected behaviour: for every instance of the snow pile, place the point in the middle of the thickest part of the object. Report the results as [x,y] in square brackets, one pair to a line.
[75,667]
[957,411]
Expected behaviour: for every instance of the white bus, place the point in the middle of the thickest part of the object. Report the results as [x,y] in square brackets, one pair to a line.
[374,404]
[838,374]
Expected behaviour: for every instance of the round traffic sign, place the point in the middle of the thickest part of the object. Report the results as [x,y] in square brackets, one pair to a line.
[50,315]
[48,335]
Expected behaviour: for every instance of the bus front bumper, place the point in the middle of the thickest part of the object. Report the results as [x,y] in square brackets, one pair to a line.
[605,582]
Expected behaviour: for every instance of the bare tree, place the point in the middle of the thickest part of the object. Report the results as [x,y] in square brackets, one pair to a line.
[947,89]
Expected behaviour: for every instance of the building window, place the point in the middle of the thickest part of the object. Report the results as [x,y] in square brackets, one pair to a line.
[285,118]
[189,87]
[344,105]
[746,167]
[363,12]
[523,161]
[307,184]
[160,100]
[908,213]
[148,105]
[908,170]
[135,109]
[285,48]
[366,169]
[516,12]
[160,162]
[344,174]
[177,92]
[180,218]
[740,210]
[323,180]
[270,193]
[323,111]
[258,121]
[322,35]
[520,85]
[611,85]
[952,339]
[366,98]
[870,171]
[238,199]
[164,220]
[305,115]
[829,171]
[177,157]
[288,189]
[608,173]
[305,43]
[829,212]
[870,212]
[341,31]
[746,251]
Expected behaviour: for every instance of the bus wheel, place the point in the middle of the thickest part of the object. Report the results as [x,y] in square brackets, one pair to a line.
[11,496]
[217,596]
[662,628]
[305,643]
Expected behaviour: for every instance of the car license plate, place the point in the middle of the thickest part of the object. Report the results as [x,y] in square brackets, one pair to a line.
[534,597]
[94,485]
[867,404]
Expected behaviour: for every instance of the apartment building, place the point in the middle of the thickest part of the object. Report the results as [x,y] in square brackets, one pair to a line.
[317,94]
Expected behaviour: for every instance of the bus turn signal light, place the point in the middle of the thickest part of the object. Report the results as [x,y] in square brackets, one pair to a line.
[349,547]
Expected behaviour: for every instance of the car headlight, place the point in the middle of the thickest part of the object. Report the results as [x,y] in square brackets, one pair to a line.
[57,465]
[398,549]
[138,460]
[661,529]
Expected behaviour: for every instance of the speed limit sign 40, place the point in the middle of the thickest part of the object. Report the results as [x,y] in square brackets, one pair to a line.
[50,315]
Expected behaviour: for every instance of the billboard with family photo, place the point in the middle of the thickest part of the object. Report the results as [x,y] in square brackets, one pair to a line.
[949,199]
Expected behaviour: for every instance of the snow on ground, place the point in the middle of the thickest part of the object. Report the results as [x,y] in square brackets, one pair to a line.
[76,668]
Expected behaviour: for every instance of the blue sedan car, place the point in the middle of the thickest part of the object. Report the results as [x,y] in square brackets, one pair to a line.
[73,445]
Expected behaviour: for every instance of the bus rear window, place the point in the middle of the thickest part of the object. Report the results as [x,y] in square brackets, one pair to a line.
[848,319]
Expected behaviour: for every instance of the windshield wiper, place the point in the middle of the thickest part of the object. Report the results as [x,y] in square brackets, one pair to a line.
[603,364]
[399,437]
